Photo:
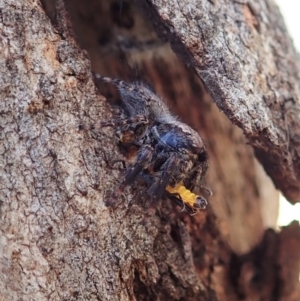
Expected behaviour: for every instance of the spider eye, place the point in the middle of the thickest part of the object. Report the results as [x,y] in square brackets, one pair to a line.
[201,203]
[202,157]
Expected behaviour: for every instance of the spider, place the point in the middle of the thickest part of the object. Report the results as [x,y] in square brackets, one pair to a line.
[169,153]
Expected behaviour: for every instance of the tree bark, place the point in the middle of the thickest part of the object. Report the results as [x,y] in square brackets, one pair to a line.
[58,241]
[244,55]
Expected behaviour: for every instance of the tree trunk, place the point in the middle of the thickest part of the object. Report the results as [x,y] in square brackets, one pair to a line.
[58,240]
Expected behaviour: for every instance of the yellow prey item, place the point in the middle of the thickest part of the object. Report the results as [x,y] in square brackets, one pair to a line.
[188,197]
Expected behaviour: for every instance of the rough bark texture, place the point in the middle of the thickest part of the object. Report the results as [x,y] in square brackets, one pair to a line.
[244,55]
[58,241]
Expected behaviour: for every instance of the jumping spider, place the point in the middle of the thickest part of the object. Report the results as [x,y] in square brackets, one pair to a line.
[170,155]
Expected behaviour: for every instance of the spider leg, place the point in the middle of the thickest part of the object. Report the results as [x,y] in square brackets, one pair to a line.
[143,159]
[135,96]
[190,211]
[136,120]
[196,175]
[157,189]
[118,122]
[176,198]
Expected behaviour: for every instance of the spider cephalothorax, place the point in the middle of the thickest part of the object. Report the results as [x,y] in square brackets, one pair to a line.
[168,151]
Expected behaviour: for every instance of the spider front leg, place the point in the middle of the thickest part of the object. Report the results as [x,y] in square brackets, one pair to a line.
[162,178]
[135,120]
[143,160]
[117,122]
[195,178]
[198,171]
[173,171]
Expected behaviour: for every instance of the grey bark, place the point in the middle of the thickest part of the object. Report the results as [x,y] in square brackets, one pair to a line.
[58,241]
[251,70]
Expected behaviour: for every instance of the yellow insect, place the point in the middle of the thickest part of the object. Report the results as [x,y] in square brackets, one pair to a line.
[190,201]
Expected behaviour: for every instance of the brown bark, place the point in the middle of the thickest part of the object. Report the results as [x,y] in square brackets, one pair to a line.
[58,241]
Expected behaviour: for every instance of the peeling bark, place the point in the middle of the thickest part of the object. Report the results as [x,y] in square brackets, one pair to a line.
[58,241]
[244,55]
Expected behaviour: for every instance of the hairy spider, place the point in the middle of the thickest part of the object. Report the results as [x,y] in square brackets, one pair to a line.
[169,153]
